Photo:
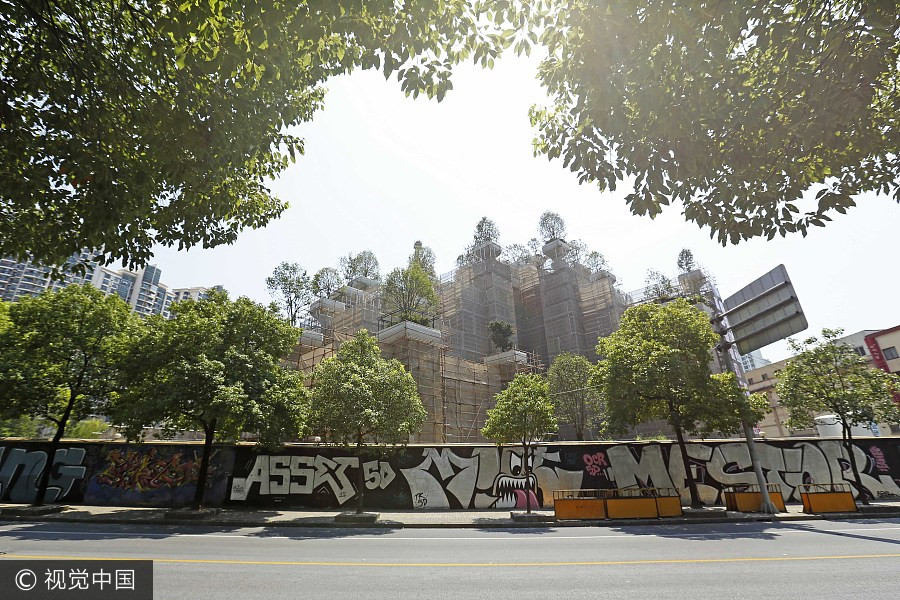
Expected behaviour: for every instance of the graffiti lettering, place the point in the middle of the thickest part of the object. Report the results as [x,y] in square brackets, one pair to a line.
[21,471]
[595,464]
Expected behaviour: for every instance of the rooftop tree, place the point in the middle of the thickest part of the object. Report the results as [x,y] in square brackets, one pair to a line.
[523,415]
[214,366]
[551,226]
[501,334]
[656,367]
[291,288]
[325,282]
[363,264]
[829,376]
[60,359]
[361,398]
[410,294]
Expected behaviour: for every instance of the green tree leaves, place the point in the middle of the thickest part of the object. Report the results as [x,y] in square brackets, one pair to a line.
[734,110]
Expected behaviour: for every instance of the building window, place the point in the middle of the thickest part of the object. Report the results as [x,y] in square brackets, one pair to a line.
[750,380]
[861,350]
[891,353]
[765,377]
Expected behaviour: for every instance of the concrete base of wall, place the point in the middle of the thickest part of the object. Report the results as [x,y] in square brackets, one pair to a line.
[356,518]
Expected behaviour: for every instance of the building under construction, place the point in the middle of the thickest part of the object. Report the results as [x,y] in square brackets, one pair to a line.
[555,305]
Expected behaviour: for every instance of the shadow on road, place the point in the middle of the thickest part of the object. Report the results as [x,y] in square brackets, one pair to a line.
[756,531]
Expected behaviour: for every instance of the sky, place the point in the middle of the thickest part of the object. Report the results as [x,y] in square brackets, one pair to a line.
[382,170]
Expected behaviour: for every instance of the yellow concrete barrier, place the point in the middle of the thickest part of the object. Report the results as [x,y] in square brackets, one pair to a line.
[827,498]
[625,503]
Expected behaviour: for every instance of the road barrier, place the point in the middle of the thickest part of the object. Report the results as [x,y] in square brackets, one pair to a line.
[745,497]
[827,498]
[624,503]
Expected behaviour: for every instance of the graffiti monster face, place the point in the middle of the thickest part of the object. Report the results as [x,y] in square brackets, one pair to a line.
[513,488]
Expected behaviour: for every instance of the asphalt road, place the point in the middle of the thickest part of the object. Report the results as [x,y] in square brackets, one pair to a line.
[807,559]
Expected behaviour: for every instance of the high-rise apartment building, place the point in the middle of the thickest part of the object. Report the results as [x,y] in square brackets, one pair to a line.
[141,289]
[754,360]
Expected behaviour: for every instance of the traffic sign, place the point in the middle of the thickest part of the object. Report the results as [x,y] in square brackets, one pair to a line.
[765,311]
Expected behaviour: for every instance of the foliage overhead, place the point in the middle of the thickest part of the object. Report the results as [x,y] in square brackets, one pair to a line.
[501,334]
[363,264]
[410,293]
[735,110]
[596,262]
[131,123]
[660,286]
[359,396]
[291,288]
[576,402]
[486,231]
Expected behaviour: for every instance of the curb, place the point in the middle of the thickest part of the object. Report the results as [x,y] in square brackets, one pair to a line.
[508,524]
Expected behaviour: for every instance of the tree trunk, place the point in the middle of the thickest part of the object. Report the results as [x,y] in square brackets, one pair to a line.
[527,481]
[848,445]
[360,481]
[692,485]
[51,454]
[210,431]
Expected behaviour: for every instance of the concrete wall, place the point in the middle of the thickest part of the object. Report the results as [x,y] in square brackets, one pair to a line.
[428,477]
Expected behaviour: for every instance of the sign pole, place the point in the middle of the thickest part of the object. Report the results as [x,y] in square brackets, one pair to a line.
[766,505]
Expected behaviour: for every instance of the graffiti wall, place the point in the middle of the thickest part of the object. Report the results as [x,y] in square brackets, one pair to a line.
[428,477]
[112,473]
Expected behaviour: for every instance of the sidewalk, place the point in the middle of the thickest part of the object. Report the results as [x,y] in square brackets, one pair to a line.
[398,519]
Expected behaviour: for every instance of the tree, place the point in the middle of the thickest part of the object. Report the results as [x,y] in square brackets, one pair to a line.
[23,427]
[291,288]
[660,287]
[424,257]
[59,359]
[576,402]
[485,231]
[516,254]
[131,123]
[733,110]
[578,250]
[551,226]
[686,262]
[359,397]
[215,365]
[656,366]
[410,294]
[830,376]
[364,264]
[523,415]
[325,282]
[596,262]
[501,333]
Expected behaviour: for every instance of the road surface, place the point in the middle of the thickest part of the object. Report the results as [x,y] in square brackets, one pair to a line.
[795,560]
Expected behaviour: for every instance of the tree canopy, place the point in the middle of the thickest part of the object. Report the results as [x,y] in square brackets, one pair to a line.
[576,402]
[362,264]
[501,334]
[325,282]
[132,123]
[360,397]
[522,415]
[551,226]
[734,110]
[410,294]
[656,367]
[829,376]
[60,358]
[214,366]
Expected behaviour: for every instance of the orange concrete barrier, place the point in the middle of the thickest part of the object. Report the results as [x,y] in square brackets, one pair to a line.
[747,497]
[827,498]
